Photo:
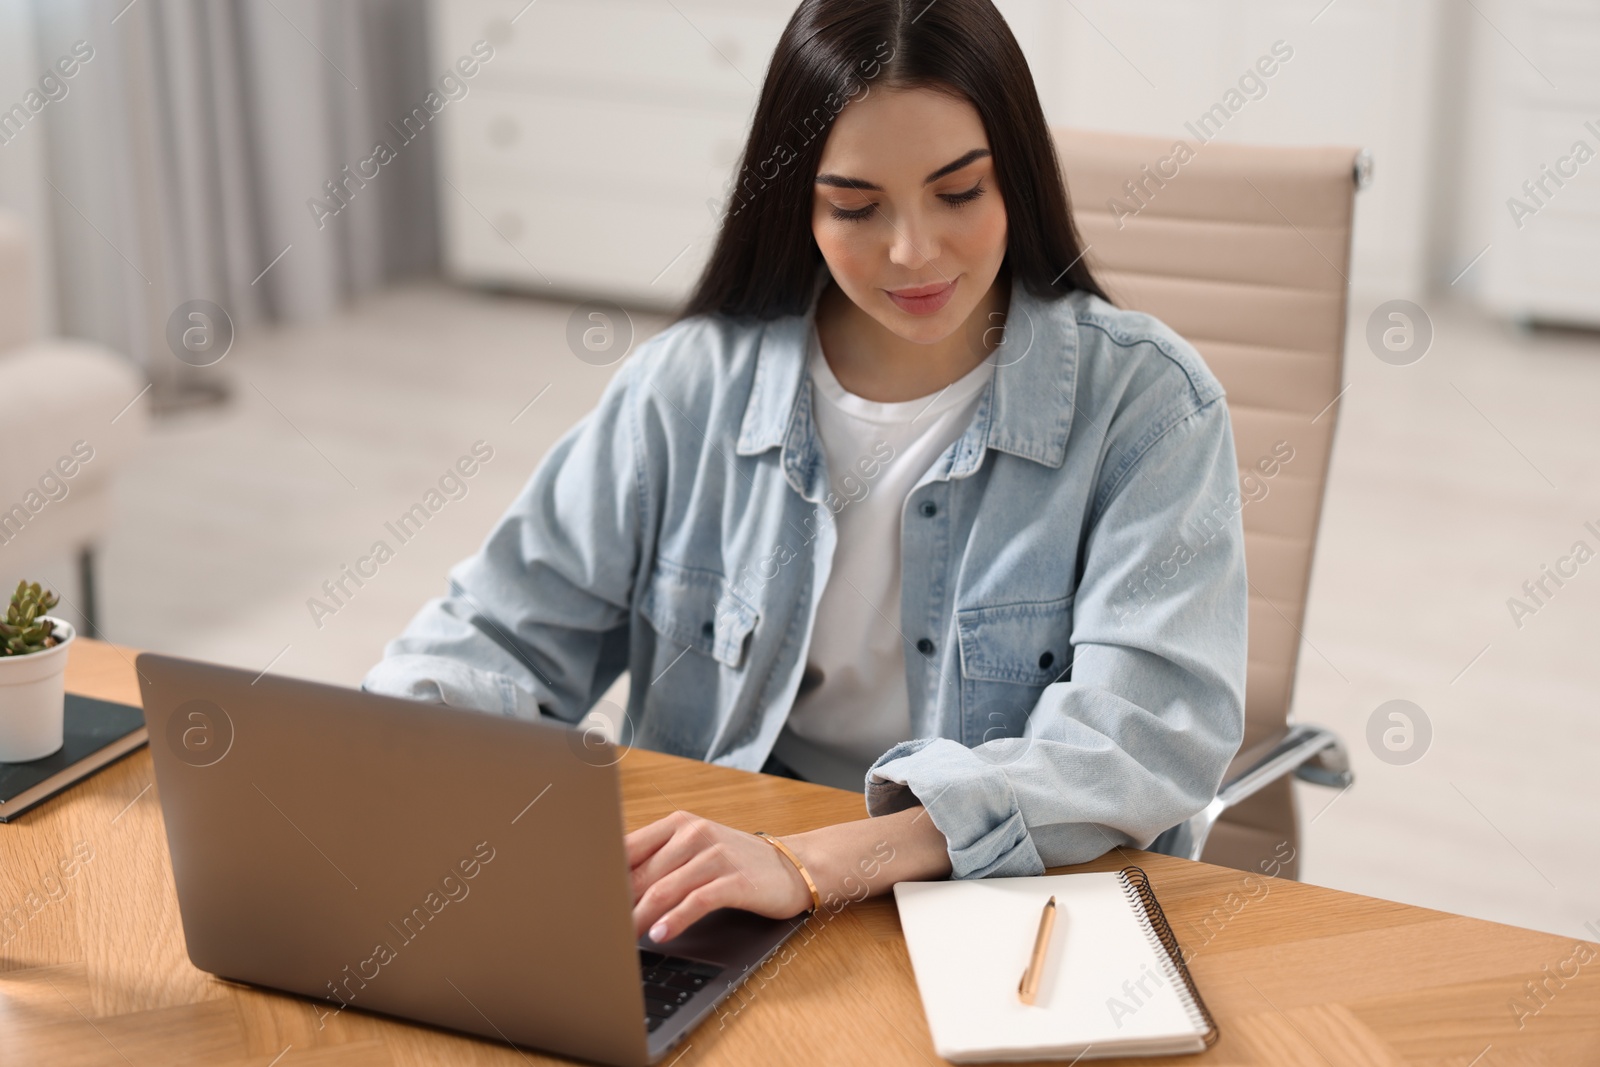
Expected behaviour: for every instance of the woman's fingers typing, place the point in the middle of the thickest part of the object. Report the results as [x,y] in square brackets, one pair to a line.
[671,904]
[643,842]
[684,866]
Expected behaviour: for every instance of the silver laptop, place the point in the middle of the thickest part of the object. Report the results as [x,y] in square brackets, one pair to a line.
[446,866]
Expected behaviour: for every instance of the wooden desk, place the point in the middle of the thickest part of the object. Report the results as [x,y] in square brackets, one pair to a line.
[1295,974]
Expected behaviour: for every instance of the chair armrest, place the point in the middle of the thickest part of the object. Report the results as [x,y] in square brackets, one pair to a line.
[1311,753]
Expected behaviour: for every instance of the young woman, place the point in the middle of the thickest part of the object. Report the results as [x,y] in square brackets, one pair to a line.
[901,503]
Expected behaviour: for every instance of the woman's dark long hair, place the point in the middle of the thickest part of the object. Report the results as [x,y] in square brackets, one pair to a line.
[833,51]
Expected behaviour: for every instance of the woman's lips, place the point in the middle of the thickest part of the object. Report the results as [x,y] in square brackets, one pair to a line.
[923,299]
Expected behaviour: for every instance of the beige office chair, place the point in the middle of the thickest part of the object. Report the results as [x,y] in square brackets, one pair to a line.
[1245,251]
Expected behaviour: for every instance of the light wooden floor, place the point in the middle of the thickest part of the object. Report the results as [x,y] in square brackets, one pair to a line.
[1453,481]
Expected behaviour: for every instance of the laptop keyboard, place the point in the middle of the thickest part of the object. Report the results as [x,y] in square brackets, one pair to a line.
[669,982]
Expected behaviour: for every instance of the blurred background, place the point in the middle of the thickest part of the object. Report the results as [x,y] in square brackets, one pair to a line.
[268,268]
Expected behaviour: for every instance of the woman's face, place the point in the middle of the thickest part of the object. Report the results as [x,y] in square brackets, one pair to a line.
[906,210]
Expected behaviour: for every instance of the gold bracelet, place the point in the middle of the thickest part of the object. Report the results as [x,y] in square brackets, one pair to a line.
[816,898]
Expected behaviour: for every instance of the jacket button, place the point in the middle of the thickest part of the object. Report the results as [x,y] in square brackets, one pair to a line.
[1045,660]
[929,508]
[925,646]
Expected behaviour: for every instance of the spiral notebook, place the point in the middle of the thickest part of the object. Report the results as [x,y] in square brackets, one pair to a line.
[1114,981]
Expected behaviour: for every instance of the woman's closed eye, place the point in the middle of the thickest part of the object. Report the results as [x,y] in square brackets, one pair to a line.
[851,214]
[957,199]
[953,199]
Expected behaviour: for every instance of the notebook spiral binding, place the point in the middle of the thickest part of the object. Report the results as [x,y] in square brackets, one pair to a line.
[1136,884]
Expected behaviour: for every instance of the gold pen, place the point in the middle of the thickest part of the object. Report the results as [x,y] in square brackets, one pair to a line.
[1029,987]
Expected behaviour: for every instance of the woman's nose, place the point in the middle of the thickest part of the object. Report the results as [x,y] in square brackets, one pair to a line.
[914,243]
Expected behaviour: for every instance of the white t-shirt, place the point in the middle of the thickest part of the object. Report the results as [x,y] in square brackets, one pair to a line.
[853,706]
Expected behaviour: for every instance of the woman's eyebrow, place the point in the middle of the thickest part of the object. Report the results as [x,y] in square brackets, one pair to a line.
[948,168]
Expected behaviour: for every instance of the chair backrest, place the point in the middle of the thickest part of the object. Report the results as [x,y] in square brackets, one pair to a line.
[1244,250]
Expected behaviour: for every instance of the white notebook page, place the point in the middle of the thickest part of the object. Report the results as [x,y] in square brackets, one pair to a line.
[1106,986]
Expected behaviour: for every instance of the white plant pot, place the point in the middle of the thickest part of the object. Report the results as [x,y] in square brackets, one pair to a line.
[33,699]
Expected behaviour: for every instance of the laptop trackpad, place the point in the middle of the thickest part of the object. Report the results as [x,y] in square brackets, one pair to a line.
[729,936]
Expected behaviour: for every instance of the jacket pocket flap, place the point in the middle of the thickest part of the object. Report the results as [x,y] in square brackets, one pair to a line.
[1027,643]
[698,608]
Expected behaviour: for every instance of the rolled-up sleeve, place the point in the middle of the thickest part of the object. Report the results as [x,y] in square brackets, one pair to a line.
[1139,737]
[536,622]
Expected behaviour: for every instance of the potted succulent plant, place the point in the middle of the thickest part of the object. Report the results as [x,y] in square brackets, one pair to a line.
[33,663]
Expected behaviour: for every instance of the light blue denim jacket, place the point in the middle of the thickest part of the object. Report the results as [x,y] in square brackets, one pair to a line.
[1074,594]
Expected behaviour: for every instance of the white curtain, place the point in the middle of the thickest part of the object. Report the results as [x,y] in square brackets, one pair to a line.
[179,160]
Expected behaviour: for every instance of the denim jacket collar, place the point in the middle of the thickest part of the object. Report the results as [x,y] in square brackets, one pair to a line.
[1026,409]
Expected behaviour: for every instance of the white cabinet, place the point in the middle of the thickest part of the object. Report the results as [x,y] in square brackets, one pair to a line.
[1535,205]
[592,153]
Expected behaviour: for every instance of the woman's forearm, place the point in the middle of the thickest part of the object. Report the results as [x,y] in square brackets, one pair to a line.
[853,860]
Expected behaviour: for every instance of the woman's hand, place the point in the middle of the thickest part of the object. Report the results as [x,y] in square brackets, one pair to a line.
[684,866]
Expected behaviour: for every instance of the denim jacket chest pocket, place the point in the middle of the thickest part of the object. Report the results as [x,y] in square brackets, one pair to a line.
[1009,653]
[704,632]
[698,608]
